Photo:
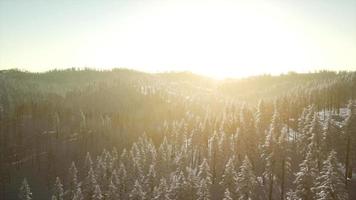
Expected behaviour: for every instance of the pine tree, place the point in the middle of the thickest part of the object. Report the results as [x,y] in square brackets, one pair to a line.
[25,191]
[162,191]
[137,192]
[88,163]
[78,195]
[112,192]
[213,150]
[193,182]
[261,121]
[306,130]
[122,182]
[73,180]
[150,180]
[227,195]
[269,156]
[246,181]
[100,170]
[315,140]
[179,187]
[203,190]
[90,184]
[97,193]
[283,161]
[350,130]
[58,191]
[204,172]
[305,179]
[228,176]
[330,183]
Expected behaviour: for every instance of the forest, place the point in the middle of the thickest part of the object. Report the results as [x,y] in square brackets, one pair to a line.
[84,134]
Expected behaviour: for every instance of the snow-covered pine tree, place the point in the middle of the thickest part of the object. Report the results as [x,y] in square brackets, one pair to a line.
[283,167]
[97,195]
[58,191]
[150,181]
[25,191]
[247,135]
[193,182]
[350,133]
[305,178]
[269,157]
[112,193]
[73,180]
[122,181]
[78,195]
[246,181]
[100,171]
[88,163]
[89,184]
[179,187]
[213,155]
[228,177]
[304,128]
[330,183]
[203,190]
[261,121]
[204,172]
[137,192]
[227,195]
[315,140]
[162,191]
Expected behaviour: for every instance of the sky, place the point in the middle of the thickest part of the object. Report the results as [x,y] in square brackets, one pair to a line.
[218,38]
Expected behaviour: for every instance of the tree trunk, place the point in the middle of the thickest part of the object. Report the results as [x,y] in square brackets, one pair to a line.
[282,181]
[347,158]
[270,186]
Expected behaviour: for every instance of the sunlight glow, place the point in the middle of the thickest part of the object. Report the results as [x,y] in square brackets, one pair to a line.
[218,40]
[215,38]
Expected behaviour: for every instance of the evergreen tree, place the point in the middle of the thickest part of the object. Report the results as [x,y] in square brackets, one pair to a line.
[179,186]
[112,192]
[90,184]
[283,161]
[78,195]
[97,195]
[73,180]
[150,180]
[162,191]
[204,172]
[58,191]
[228,177]
[315,140]
[227,195]
[121,181]
[269,156]
[350,130]
[25,191]
[88,163]
[137,192]
[213,150]
[261,121]
[246,181]
[305,179]
[193,182]
[203,190]
[330,183]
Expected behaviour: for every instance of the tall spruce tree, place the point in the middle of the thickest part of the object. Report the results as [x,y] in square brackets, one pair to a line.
[25,191]
[330,183]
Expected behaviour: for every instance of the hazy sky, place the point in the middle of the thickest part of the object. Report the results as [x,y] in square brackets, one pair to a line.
[213,37]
